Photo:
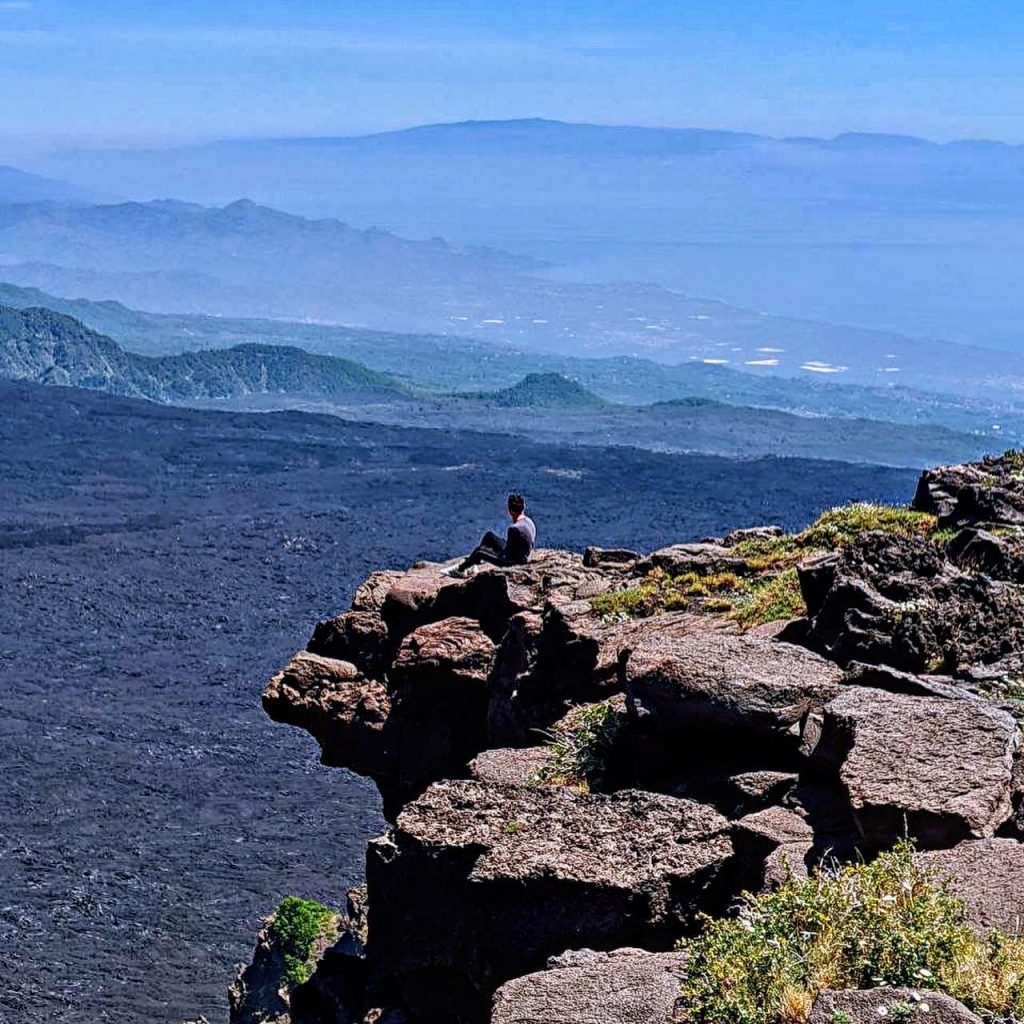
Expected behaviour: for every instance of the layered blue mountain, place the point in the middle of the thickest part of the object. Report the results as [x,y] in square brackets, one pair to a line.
[883,231]
[247,260]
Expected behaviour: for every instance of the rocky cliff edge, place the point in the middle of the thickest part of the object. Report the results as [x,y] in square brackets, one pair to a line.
[579,756]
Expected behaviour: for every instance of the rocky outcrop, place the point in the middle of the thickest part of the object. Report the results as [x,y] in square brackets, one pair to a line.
[987,874]
[553,867]
[724,686]
[869,1006]
[990,492]
[345,712]
[560,778]
[624,986]
[939,770]
[703,559]
[899,601]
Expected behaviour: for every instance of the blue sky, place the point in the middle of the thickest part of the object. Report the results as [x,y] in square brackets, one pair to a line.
[103,71]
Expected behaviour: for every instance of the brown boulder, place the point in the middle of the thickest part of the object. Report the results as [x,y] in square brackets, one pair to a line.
[702,559]
[358,637]
[729,684]
[760,836]
[988,875]
[595,558]
[370,594]
[447,657]
[344,712]
[624,986]
[439,703]
[940,769]
[505,877]
[869,1006]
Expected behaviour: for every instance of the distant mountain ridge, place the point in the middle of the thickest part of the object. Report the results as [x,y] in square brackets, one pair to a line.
[878,230]
[245,260]
[453,365]
[17,186]
[44,347]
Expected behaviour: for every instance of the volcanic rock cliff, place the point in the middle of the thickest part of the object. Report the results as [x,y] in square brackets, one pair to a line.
[580,755]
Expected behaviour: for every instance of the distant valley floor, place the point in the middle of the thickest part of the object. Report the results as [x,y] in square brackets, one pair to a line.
[156,565]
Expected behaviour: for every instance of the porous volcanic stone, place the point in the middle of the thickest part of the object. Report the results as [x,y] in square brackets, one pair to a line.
[869,1006]
[478,883]
[940,769]
[450,655]
[624,986]
[979,493]
[438,719]
[358,637]
[702,559]
[370,594]
[491,595]
[511,766]
[898,601]
[344,712]
[988,875]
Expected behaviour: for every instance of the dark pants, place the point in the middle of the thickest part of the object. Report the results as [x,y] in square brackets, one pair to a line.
[491,550]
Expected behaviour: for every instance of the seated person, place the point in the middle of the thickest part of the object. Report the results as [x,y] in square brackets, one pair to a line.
[515,549]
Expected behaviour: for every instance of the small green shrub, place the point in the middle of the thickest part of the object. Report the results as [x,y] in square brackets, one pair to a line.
[295,928]
[579,747]
[890,922]
[768,600]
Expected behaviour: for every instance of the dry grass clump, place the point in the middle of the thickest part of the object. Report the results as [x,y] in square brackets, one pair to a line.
[890,922]
[579,746]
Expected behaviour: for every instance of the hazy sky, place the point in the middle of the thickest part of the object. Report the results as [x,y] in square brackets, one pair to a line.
[117,70]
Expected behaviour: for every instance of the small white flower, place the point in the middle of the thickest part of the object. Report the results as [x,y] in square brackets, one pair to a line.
[925,1008]
[882,1011]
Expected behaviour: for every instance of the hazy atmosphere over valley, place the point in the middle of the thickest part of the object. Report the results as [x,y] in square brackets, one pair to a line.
[294,294]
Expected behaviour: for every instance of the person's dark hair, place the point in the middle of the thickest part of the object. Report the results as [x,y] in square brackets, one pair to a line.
[516,502]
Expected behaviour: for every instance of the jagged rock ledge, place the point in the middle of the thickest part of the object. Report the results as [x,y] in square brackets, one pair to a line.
[568,788]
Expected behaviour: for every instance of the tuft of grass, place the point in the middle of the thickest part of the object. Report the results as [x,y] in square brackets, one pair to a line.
[579,747]
[890,922]
[841,526]
[295,927]
[768,600]
[835,528]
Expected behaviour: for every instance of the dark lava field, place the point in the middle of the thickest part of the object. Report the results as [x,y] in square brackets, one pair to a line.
[156,566]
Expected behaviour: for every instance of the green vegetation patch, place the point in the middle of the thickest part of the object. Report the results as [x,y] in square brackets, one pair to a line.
[890,922]
[580,745]
[772,590]
[769,600]
[295,928]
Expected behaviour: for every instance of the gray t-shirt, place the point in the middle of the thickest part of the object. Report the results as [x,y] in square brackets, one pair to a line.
[519,542]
